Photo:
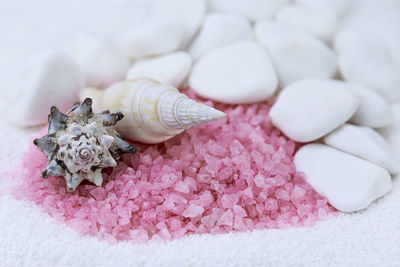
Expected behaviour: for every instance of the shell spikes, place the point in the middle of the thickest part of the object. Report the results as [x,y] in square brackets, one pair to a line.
[79,146]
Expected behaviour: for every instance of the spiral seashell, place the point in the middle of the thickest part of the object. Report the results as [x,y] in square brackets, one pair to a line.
[79,147]
[154,112]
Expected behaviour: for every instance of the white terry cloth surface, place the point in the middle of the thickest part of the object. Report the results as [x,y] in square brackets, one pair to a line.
[29,237]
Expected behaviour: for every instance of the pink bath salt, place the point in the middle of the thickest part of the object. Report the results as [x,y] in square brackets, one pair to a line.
[259,180]
[282,194]
[234,174]
[182,187]
[193,211]
[226,218]
[229,200]
[271,204]
[139,235]
[99,193]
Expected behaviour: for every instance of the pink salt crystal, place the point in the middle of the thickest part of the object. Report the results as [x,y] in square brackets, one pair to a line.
[282,194]
[139,235]
[229,200]
[98,193]
[182,187]
[193,211]
[271,204]
[298,193]
[226,218]
[259,180]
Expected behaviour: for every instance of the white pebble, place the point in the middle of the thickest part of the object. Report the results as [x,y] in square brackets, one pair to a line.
[371,60]
[392,131]
[319,22]
[374,110]
[169,69]
[237,73]
[309,109]
[101,60]
[155,37]
[50,79]
[220,29]
[189,14]
[348,182]
[253,9]
[296,55]
[365,143]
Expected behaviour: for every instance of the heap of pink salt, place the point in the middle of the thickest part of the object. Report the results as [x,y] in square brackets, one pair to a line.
[236,174]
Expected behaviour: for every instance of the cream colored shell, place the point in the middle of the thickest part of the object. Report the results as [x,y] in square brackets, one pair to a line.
[153,112]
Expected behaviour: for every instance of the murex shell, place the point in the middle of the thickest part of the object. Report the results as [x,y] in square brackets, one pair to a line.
[78,147]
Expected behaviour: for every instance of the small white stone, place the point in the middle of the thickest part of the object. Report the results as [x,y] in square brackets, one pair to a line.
[392,131]
[237,73]
[253,9]
[169,69]
[348,182]
[296,55]
[220,29]
[374,110]
[101,59]
[155,37]
[317,21]
[372,60]
[309,109]
[51,78]
[189,14]
[365,143]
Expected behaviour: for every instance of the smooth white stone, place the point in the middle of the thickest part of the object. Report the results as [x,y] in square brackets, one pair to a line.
[392,132]
[51,78]
[348,182]
[237,73]
[155,37]
[101,59]
[309,109]
[317,21]
[169,69]
[372,16]
[296,55]
[372,60]
[374,110]
[365,143]
[253,9]
[339,8]
[189,14]
[220,29]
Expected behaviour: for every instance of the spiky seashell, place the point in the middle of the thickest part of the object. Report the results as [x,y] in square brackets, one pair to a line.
[154,112]
[79,146]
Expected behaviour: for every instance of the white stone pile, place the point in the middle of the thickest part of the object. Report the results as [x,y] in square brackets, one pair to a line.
[333,65]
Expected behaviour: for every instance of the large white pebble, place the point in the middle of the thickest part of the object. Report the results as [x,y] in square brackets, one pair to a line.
[169,69]
[365,143]
[50,79]
[237,73]
[371,60]
[296,55]
[392,131]
[253,9]
[101,59]
[220,29]
[348,182]
[189,14]
[154,37]
[374,110]
[309,109]
[319,22]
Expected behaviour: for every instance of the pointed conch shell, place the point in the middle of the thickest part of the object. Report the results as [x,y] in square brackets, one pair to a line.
[154,112]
